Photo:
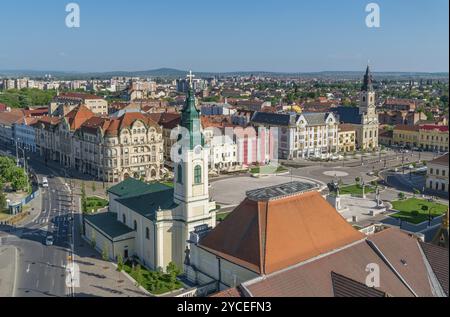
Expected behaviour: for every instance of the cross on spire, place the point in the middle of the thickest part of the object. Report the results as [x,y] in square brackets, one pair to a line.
[190,76]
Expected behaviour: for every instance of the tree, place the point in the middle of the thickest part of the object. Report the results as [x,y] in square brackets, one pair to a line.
[401,196]
[138,274]
[2,200]
[19,179]
[416,192]
[83,198]
[357,180]
[105,255]
[119,263]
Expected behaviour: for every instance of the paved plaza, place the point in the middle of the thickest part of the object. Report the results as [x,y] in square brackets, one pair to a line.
[232,191]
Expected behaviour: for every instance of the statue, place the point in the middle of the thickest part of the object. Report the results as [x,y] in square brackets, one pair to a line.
[187,258]
[363,189]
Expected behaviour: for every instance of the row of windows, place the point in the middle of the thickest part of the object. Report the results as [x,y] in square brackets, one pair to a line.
[147,230]
[437,172]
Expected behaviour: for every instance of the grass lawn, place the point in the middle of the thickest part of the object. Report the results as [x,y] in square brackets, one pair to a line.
[155,282]
[355,190]
[407,210]
[4,215]
[95,203]
[222,216]
[267,170]
[170,184]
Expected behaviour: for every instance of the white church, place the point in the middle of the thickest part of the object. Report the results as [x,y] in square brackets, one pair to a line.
[153,221]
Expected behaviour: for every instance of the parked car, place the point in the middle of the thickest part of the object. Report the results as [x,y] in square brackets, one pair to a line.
[44,182]
[49,240]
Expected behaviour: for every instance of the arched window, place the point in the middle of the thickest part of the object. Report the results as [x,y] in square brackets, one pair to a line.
[180,174]
[147,233]
[135,225]
[124,219]
[198,174]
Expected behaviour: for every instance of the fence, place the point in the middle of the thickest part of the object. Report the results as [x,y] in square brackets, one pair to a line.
[16,208]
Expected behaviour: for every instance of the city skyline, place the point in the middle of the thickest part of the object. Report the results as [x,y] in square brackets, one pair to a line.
[413,37]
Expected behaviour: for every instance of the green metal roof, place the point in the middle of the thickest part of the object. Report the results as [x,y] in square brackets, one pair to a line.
[108,223]
[148,204]
[133,187]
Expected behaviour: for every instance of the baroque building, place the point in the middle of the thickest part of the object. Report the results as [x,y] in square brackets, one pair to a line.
[109,149]
[364,118]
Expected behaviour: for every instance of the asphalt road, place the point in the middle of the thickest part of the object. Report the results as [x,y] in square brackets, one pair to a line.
[41,269]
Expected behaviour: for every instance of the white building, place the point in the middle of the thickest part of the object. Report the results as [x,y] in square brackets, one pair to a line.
[304,135]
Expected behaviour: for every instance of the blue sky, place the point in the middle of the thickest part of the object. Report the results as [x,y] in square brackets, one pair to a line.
[225,35]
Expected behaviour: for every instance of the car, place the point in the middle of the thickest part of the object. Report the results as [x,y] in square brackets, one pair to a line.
[44,182]
[371,173]
[49,240]
[51,176]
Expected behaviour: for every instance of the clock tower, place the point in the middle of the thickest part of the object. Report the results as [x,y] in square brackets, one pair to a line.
[191,183]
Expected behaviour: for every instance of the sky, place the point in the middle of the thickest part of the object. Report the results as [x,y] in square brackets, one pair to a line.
[225,35]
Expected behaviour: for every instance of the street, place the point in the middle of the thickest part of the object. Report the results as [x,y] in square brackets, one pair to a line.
[40,269]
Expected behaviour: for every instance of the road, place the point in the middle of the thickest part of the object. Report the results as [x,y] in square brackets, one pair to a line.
[41,269]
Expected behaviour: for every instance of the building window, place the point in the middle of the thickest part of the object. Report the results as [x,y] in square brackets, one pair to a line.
[147,233]
[124,219]
[135,225]
[180,174]
[198,174]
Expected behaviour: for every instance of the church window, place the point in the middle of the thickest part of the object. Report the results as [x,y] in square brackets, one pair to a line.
[180,174]
[198,174]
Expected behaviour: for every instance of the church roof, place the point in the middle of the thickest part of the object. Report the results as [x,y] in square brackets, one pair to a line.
[268,235]
[107,222]
[134,187]
[348,114]
[148,204]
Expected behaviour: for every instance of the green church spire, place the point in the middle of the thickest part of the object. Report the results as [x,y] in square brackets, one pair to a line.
[190,117]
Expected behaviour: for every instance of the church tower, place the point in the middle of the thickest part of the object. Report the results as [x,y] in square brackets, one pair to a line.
[191,183]
[367,96]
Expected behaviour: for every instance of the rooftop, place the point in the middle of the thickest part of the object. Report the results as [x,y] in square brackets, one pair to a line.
[107,222]
[269,235]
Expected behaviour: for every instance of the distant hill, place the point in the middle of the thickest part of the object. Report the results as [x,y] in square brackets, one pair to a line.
[176,73]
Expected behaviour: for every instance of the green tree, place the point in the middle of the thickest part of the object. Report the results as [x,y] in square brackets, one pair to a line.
[83,197]
[19,180]
[105,255]
[138,274]
[416,192]
[2,200]
[401,196]
[119,263]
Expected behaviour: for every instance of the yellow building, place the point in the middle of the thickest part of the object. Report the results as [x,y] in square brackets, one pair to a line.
[433,138]
[346,138]
[437,174]
[407,136]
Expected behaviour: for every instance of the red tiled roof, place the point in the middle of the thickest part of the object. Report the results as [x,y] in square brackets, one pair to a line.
[166,119]
[268,236]
[441,128]
[441,160]
[402,127]
[78,116]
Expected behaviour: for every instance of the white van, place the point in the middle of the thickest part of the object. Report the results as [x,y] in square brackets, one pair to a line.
[44,182]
